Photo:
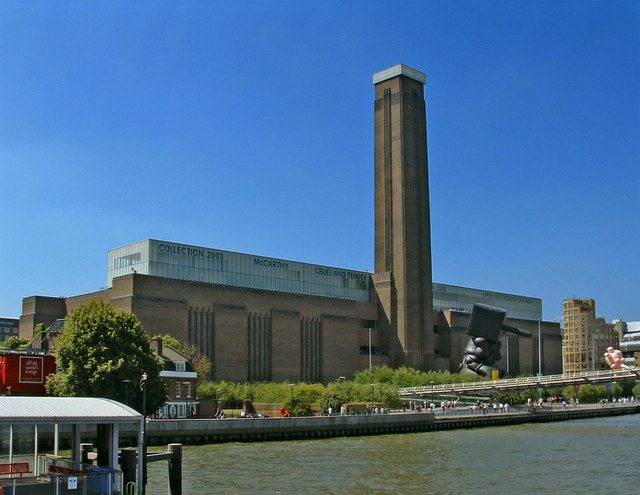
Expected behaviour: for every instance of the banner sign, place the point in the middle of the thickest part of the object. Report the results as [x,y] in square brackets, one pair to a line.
[31,369]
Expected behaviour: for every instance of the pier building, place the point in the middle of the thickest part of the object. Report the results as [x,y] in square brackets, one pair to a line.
[629,336]
[8,328]
[265,318]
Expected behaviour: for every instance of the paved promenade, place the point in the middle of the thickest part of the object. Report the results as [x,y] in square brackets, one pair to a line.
[200,431]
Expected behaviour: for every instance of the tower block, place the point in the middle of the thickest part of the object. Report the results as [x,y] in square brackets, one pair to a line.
[402,278]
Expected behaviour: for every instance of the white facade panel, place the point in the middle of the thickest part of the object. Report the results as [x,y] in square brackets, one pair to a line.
[210,265]
[463,298]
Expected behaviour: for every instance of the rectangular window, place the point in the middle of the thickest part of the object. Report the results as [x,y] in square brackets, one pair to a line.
[181,366]
[177,390]
[125,261]
[188,387]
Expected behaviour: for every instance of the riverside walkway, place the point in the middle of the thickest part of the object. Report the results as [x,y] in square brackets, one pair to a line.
[205,431]
[512,384]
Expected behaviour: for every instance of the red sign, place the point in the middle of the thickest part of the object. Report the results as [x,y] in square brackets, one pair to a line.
[31,369]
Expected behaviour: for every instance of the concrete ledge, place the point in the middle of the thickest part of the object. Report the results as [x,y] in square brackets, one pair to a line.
[204,431]
[249,429]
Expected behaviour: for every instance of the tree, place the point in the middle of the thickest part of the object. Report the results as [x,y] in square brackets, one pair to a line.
[302,398]
[38,329]
[201,363]
[100,352]
[591,393]
[636,390]
[15,343]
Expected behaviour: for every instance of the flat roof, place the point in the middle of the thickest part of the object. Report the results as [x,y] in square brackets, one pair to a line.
[399,70]
[14,409]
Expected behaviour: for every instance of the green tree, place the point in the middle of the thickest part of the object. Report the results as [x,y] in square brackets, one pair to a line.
[616,391]
[409,377]
[201,363]
[15,343]
[38,329]
[335,395]
[636,390]
[100,352]
[303,397]
[627,387]
[591,393]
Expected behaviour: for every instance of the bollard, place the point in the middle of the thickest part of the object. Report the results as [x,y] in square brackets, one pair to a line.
[128,465]
[175,469]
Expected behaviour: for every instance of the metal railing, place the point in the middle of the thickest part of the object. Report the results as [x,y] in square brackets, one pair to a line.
[603,376]
[58,476]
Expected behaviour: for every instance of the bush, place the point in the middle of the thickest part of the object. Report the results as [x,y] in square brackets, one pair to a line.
[408,377]
[303,397]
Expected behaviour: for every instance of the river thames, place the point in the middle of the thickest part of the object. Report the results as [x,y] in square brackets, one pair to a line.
[581,456]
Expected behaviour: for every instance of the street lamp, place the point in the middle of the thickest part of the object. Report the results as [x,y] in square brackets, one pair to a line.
[539,350]
[291,385]
[508,342]
[143,389]
[126,391]
[369,347]
[187,404]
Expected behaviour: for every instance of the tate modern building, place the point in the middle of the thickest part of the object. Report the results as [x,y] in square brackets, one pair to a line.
[262,318]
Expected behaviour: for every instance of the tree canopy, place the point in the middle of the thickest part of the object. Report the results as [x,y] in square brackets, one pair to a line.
[103,353]
[14,343]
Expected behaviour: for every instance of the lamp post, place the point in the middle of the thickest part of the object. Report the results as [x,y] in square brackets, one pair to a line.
[508,370]
[126,391]
[143,389]
[539,350]
[369,347]
[187,392]
[291,385]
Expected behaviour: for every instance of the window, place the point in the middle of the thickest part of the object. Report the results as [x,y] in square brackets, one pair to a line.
[181,366]
[124,261]
[375,351]
[177,390]
[188,388]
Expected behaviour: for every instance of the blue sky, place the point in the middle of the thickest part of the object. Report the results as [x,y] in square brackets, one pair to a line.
[248,126]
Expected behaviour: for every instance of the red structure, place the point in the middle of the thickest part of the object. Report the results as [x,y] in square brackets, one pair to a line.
[24,372]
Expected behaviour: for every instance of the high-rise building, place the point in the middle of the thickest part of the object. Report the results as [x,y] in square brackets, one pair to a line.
[585,336]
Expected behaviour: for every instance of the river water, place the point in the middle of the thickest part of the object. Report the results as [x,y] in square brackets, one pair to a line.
[591,456]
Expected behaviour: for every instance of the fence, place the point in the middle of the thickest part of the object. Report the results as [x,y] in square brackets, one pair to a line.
[57,476]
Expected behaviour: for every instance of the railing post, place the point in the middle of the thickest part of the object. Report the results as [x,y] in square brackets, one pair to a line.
[175,469]
[128,465]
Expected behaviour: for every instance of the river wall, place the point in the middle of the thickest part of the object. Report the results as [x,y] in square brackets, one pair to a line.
[204,431]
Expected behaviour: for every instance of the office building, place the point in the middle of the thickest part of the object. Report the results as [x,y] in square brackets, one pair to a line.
[586,337]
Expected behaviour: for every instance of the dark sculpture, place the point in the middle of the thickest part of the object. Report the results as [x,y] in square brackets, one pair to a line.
[483,349]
